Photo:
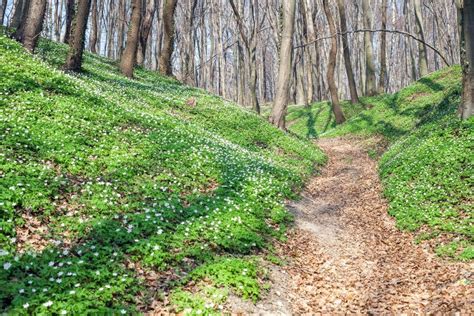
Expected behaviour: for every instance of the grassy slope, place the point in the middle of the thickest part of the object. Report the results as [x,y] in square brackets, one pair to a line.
[427,171]
[122,182]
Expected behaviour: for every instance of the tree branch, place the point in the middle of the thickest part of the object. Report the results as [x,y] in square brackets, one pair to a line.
[378,31]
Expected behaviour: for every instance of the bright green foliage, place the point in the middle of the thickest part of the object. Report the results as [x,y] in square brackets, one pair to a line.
[241,275]
[226,274]
[204,300]
[317,119]
[427,171]
[123,171]
[393,116]
[429,180]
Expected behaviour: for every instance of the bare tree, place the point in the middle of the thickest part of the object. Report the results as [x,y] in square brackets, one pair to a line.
[76,39]
[29,32]
[336,107]
[466,11]
[347,53]
[278,115]
[20,14]
[3,9]
[421,47]
[128,58]
[70,12]
[94,31]
[369,55]
[165,65]
[383,49]
[145,28]
[250,44]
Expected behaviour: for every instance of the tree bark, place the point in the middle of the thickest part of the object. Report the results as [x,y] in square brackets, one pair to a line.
[188,36]
[466,110]
[423,59]
[250,44]
[20,14]
[145,29]
[122,24]
[94,31]
[76,40]
[369,56]
[3,8]
[57,21]
[383,50]
[336,107]
[70,11]
[168,37]
[347,53]
[311,52]
[280,106]
[128,58]
[31,31]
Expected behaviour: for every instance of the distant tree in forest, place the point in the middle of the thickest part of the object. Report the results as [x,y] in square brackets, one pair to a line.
[466,11]
[347,53]
[129,58]
[280,106]
[423,56]
[30,29]
[148,13]
[70,12]
[165,65]
[250,40]
[20,13]
[77,36]
[369,55]
[335,104]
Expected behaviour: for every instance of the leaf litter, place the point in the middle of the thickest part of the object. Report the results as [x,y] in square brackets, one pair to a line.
[346,255]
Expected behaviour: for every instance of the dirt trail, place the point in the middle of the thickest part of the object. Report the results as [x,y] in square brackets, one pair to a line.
[346,255]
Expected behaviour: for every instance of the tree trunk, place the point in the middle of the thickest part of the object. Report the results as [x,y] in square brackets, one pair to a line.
[383,50]
[3,8]
[421,47]
[31,31]
[70,11]
[280,106]
[369,56]
[20,14]
[188,37]
[466,109]
[168,37]
[221,55]
[253,77]
[57,20]
[336,107]
[250,43]
[311,51]
[122,24]
[145,30]
[111,19]
[127,61]
[94,31]
[76,40]
[347,53]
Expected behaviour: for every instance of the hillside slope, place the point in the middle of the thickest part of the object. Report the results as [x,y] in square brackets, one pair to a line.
[427,169]
[116,193]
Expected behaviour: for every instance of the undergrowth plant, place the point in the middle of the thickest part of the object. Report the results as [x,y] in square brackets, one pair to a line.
[106,180]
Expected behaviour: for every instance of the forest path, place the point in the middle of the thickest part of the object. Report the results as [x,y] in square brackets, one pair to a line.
[346,255]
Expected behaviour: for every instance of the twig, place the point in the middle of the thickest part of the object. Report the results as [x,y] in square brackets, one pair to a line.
[378,31]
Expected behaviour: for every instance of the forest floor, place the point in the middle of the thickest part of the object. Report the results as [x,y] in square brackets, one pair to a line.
[346,255]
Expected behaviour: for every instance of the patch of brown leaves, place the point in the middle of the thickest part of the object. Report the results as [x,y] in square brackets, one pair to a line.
[347,256]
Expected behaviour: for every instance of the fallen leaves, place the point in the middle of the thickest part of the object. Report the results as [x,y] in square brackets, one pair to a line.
[346,255]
